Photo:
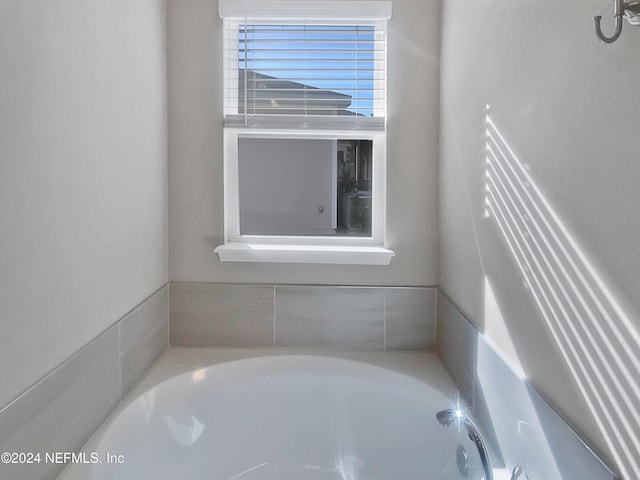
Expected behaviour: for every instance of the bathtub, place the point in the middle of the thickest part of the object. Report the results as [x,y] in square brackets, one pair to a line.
[291,417]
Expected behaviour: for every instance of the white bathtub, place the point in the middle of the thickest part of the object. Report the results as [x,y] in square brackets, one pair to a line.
[293,417]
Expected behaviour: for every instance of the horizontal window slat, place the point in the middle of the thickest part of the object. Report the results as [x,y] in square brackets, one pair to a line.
[302,111]
[312,36]
[308,41]
[300,79]
[314,98]
[290,102]
[310,110]
[311,89]
[309,32]
[321,48]
[277,60]
[276,69]
[329,29]
[329,84]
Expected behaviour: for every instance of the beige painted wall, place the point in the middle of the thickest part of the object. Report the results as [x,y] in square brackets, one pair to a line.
[564,104]
[195,154]
[83,195]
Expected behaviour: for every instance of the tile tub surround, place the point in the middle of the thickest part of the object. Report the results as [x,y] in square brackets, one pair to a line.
[456,345]
[517,422]
[359,318]
[144,335]
[63,409]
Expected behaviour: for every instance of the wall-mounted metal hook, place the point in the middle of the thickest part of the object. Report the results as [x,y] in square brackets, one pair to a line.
[619,12]
[630,10]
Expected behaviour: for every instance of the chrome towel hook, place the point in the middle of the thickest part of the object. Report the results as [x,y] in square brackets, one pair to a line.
[618,17]
[630,10]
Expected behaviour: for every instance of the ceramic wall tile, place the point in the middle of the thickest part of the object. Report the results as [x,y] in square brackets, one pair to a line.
[62,410]
[144,335]
[330,317]
[410,318]
[209,314]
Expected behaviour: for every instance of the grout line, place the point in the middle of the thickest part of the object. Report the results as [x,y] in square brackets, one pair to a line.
[308,285]
[474,372]
[168,315]
[119,354]
[384,320]
[436,320]
[460,310]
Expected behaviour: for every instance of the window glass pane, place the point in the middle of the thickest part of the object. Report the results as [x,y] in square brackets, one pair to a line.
[306,187]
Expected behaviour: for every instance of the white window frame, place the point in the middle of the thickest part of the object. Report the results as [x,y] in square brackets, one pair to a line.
[304,249]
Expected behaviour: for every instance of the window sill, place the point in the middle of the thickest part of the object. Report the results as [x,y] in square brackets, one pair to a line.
[331,254]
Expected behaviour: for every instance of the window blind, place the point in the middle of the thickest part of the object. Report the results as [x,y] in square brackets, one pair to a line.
[295,72]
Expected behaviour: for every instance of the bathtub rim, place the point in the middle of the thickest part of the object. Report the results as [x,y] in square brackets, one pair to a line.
[423,366]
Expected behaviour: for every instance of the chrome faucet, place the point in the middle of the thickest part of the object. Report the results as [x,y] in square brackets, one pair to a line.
[447,417]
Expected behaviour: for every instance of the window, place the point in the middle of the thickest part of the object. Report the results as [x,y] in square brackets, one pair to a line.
[304,135]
